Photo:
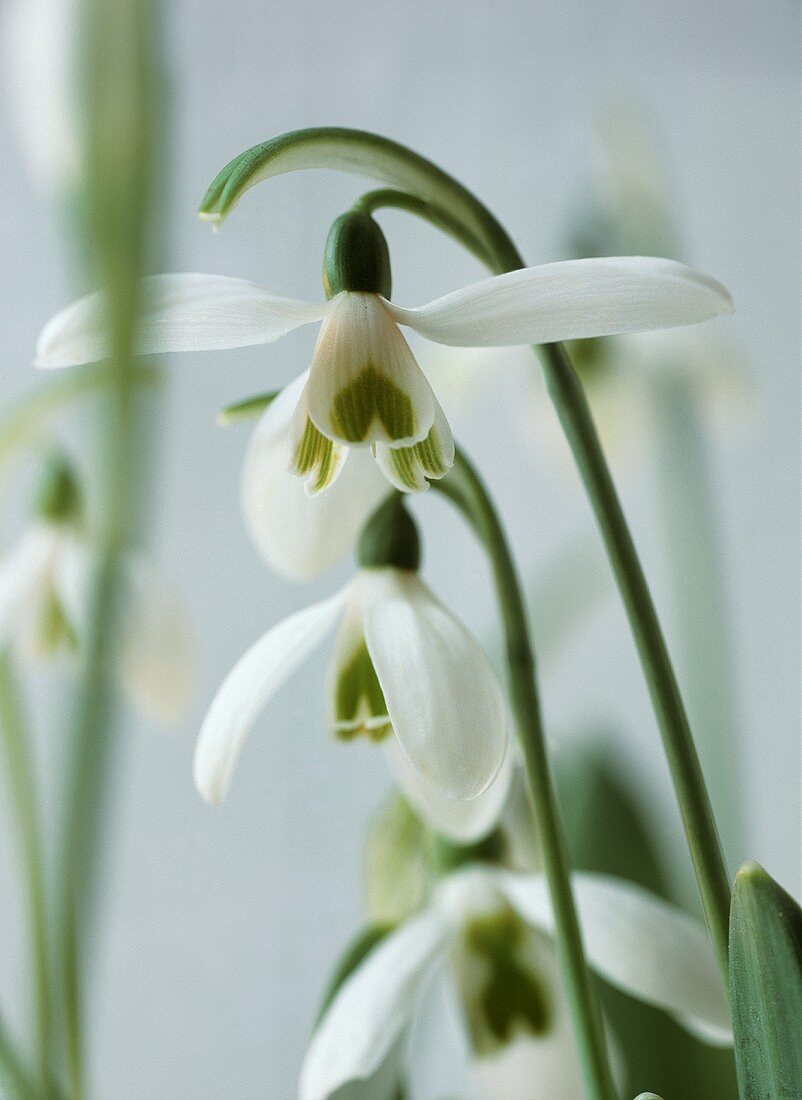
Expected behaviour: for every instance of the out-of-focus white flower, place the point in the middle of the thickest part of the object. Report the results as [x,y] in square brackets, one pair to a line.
[365,388]
[403,664]
[484,934]
[45,587]
[40,45]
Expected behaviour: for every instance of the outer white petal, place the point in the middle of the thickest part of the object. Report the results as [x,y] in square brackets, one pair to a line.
[445,703]
[570,300]
[298,536]
[249,686]
[372,1009]
[364,385]
[183,312]
[640,943]
[461,820]
[24,571]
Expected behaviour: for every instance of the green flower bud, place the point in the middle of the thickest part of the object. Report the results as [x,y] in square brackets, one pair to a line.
[356,257]
[390,538]
[58,497]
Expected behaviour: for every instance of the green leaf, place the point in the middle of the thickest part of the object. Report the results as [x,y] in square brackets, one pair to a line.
[246,409]
[354,152]
[356,952]
[766,987]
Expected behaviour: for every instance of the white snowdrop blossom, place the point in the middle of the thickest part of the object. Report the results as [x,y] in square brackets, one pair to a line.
[365,388]
[402,664]
[45,584]
[486,936]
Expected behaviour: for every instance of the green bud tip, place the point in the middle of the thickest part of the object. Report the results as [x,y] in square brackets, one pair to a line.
[390,538]
[58,497]
[356,257]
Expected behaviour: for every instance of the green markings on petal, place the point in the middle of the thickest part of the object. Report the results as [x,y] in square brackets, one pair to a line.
[502,995]
[316,458]
[371,397]
[359,706]
[410,468]
[51,628]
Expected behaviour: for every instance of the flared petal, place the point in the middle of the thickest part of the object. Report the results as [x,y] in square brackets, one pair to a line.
[248,687]
[181,312]
[409,469]
[444,700]
[372,1009]
[24,573]
[570,300]
[461,820]
[640,943]
[364,385]
[298,536]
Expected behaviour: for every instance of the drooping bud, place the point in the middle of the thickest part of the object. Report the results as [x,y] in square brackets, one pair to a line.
[390,538]
[58,497]
[356,257]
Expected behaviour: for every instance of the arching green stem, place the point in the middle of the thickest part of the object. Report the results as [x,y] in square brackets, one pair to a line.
[22,788]
[466,490]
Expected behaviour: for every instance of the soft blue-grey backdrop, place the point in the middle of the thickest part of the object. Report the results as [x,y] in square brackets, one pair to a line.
[220,925]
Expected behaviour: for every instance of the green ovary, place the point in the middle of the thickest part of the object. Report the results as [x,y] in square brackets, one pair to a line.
[359,706]
[371,397]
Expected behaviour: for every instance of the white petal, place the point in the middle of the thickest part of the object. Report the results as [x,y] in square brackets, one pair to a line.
[24,571]
[184,312]
[298,536]
[641,944]
[372,1009]
[461,820]
[157,655]
[409,468]
[364,385]
[570,300]
[248,687]
[444,700]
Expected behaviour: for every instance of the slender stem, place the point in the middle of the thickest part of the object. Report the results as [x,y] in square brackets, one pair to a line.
[23,798]
[465,489]
[697,816]
[571,404]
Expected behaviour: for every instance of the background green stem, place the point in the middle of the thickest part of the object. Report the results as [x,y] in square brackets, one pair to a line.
[465,489]
[22,789]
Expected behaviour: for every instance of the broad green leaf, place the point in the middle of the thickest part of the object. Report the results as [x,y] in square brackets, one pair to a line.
[766,987]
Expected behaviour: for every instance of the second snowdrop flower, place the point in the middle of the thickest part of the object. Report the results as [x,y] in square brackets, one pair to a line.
[402,665]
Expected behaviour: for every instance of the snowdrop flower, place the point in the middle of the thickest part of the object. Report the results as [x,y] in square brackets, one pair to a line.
[44,596]
[402,664]
[365,389]
[484,936]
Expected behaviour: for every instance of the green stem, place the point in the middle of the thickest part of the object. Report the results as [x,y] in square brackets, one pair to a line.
[575,417]
[465,489]
[23,798]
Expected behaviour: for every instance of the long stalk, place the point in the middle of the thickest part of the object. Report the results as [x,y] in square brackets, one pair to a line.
[466,490]
[22,788]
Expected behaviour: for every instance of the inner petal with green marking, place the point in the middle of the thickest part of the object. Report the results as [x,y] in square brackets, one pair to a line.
[364,385]
[358,702]
[502,994]
[316,458]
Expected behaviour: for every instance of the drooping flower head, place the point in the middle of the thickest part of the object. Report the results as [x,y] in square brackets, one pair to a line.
[45,582]
[404,672]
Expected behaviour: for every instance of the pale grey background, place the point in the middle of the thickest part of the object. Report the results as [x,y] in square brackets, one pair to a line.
[221,924]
